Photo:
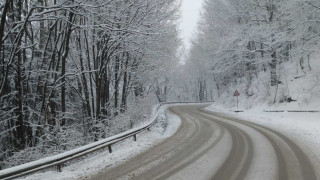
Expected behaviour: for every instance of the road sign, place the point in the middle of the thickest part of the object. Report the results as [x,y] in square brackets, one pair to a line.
[236,93]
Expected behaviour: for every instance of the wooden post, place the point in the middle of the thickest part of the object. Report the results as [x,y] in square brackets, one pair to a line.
[135,137]
[237,102]
[110,149]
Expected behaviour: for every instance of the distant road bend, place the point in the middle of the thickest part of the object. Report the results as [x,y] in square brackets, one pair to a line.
[211,146]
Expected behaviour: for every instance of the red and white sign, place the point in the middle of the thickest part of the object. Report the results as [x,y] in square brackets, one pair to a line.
[236,93]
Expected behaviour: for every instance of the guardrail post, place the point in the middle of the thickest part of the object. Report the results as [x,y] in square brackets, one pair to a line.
[149,129]
[135,137]
[59,167]
[110,149]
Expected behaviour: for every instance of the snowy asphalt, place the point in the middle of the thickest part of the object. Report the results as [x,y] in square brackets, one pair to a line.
[212,146]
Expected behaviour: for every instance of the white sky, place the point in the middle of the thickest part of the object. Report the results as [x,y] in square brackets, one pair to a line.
[190,16]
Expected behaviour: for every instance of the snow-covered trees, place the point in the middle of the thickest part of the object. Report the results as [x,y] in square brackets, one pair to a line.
[67,67]
[240,42]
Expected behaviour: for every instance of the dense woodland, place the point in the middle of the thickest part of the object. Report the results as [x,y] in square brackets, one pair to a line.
[256,46]
[75,71]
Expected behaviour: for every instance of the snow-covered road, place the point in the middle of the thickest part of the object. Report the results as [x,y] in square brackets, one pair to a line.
[210,145]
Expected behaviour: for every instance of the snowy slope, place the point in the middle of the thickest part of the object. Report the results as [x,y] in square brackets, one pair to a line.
[303,86]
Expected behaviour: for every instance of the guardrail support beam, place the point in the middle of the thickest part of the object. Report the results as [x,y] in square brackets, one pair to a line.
[135,137]
[59,167]
[110,149]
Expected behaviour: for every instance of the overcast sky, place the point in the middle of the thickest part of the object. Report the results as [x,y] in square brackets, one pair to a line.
[190,16]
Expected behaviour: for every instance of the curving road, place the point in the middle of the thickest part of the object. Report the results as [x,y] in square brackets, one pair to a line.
[211,146]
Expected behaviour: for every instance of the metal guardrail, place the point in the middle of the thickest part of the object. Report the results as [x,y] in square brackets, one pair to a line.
[310,111]
[60,159]
[281,111]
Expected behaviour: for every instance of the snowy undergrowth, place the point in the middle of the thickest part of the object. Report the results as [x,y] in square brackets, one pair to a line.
[302,86]
[166,125]
[75,135]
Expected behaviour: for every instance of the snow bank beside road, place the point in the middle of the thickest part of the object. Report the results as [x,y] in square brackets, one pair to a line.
[302,128]
[166,125]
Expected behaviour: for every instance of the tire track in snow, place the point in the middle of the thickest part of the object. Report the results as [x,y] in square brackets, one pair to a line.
[293,163]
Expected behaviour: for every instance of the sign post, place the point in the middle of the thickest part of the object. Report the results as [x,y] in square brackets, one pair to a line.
[237,94]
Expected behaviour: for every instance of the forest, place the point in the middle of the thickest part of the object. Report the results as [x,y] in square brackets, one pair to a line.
[74,71]
[266,49]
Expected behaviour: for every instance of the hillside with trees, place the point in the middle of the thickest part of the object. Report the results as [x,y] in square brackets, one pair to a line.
[267,49]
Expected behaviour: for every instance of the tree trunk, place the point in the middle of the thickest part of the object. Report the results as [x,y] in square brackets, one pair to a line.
[20,123]
[273,66]
[84,79]
[63,69]
[125,84]
[116,84]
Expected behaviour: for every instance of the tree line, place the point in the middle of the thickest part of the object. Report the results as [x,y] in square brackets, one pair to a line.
[68,67]
[244,43]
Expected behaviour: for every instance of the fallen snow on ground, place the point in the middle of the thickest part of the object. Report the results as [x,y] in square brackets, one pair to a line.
[302,128]
[166,125]
[302,87]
